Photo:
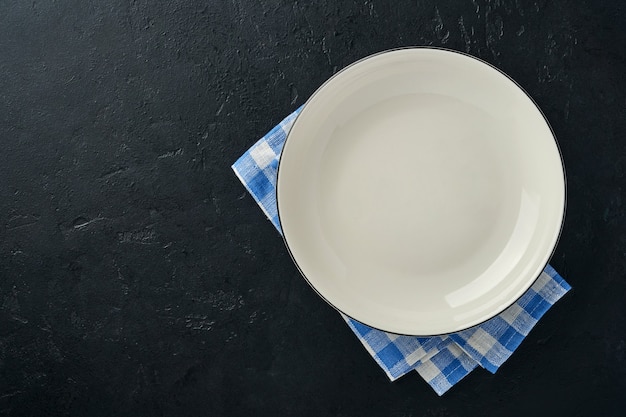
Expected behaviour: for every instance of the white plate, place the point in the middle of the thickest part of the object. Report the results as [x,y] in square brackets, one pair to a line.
[421,191]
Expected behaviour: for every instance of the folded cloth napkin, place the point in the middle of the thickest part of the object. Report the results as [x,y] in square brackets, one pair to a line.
[441,360]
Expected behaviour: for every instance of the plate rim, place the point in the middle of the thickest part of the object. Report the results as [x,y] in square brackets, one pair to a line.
[554,137]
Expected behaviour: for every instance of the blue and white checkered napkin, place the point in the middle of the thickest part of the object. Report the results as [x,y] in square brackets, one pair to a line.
[441,360]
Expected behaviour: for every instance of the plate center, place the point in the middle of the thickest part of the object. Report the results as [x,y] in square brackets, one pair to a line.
[411,185]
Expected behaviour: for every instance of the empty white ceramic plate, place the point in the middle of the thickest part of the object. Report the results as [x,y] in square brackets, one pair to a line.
[421,191]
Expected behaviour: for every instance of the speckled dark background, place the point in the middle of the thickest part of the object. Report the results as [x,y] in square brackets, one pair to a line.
[137,278]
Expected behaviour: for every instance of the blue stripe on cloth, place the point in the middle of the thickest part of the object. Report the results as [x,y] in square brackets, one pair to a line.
[441,360]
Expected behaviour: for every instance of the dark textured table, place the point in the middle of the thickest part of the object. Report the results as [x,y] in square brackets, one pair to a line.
[138,278]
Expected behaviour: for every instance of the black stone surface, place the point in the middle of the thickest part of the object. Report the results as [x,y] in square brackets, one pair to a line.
[138,278]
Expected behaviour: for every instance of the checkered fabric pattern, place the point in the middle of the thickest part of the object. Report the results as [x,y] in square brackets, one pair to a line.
[441,360]
[257,169]
[396,354]
[447,367]
[494,341]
